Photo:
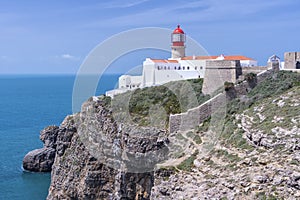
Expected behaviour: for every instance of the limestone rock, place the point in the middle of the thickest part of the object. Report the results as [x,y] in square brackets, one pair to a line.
[89,150]
[39,160]
[49,135]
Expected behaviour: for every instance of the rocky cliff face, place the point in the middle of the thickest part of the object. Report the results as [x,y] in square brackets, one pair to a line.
[41,160]
[96,159]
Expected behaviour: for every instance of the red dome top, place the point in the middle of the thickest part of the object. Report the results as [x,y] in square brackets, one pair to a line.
[178,30]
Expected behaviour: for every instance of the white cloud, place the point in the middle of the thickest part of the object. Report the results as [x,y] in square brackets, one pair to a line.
[69,57]
[122,4]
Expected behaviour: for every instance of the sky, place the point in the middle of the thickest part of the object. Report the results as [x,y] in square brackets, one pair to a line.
[54,37]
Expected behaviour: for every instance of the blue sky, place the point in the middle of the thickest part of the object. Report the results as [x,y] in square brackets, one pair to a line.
[54,37]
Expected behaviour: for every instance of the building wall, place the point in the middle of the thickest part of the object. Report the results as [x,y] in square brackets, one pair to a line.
[178,51]
[194,65]
[219,71]
[164,76]
[129,82]
[148,74]
[256,70]
[160,73]
[291,59]
[248,63]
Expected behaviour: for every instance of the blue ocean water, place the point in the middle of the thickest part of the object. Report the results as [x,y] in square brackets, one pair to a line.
[27,105]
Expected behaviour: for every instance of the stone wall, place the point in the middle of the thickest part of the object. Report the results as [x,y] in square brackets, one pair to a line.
[291,59]
[256,70]
[194,117]
[219,71]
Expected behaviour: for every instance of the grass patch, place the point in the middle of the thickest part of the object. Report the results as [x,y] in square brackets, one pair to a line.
[275,84]
[232,136]
[197,139]
[188,163]
[159,102]
[203,127]
[232,158]
[295,162]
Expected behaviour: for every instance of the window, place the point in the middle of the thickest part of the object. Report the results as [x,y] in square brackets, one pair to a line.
[168,67]
[196,68]
[298,65]
[165,67]
[178,68]
[201,67]
[183,68]
[188,68]
[174,67]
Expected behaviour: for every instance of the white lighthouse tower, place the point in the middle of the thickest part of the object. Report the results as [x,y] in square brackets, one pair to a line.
[178,40]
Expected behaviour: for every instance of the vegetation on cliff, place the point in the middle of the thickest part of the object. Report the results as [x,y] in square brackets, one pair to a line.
[157,103]
[257,154]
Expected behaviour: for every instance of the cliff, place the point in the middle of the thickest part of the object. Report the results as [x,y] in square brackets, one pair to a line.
[95,157]
[104,153]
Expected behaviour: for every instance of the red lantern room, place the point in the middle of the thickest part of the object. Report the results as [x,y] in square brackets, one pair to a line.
[178,37]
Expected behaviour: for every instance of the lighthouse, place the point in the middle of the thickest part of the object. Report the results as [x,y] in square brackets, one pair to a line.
[178,43]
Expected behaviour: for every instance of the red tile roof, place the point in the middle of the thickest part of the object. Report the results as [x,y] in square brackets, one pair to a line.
[164,61]
[199,57]
[238,57]
[234,57]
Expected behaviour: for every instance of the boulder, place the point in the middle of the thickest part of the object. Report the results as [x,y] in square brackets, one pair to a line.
[39,160]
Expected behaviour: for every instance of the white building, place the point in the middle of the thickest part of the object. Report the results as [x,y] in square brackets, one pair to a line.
[178,67]
[275,58]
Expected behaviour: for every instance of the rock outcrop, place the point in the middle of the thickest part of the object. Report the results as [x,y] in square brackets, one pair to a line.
[98,159]
[41,160]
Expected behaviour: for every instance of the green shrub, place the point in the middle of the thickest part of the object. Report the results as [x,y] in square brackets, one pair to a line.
[250,76]
[188,163]
[197,139]
[228,85]
[171,98]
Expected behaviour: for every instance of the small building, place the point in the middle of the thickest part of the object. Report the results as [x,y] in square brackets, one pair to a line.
[274,61]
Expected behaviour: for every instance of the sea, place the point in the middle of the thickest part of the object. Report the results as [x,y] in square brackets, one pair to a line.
[28,104]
